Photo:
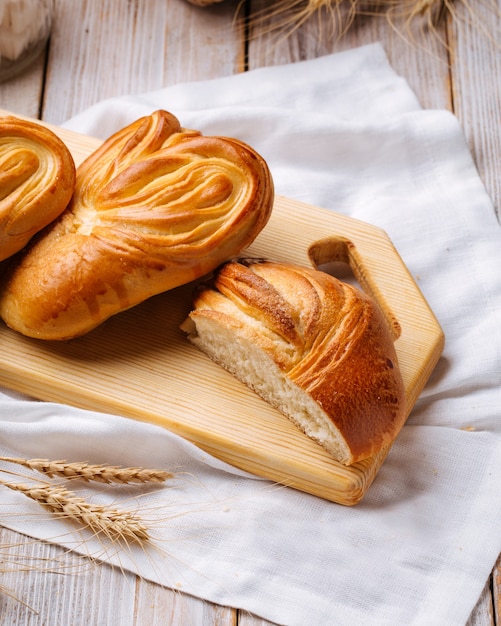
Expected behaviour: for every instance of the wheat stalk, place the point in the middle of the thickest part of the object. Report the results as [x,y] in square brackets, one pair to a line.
[284,17]
[101,520]
[296,12]
[102,473]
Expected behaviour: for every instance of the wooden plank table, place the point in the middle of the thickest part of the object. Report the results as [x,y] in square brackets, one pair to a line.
[99,50]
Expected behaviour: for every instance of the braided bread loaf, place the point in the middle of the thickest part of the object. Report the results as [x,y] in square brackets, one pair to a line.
[156,206]
[317,349]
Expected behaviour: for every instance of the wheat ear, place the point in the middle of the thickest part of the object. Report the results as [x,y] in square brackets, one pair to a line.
[287,16]
[101,520]
[98,473]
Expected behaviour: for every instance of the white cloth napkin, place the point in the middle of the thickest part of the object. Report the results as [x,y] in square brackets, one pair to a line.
[345,133]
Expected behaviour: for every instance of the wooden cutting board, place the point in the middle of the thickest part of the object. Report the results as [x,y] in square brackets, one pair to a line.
[139,364]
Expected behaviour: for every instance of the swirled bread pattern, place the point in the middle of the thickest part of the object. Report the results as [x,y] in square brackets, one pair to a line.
[37,177]
[156,206]
[316,348]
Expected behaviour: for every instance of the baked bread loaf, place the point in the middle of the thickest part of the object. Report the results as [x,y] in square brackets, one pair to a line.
[317,349]
[37,178]
[156,206]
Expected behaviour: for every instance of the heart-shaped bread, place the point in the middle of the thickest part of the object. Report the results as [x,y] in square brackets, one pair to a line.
[156,206]
[37,178]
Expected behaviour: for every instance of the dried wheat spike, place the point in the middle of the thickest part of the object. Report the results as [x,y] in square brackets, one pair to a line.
[203,3]
[101,520]
[98,473]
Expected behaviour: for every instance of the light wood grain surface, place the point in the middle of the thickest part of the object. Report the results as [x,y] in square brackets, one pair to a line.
[103,49]
[244,431]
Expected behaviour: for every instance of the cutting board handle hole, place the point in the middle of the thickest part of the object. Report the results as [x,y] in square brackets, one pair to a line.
[340,270]
[340,257]
[332,256]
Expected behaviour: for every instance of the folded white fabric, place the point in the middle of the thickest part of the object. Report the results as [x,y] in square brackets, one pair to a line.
[345,133]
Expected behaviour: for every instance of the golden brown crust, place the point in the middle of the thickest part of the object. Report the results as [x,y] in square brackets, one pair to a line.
[37,178]
[155,207]
[327,337]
